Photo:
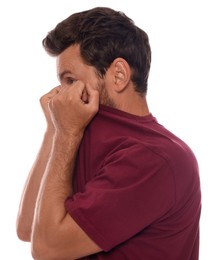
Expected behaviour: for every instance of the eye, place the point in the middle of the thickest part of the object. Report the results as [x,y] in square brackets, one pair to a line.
[69,80]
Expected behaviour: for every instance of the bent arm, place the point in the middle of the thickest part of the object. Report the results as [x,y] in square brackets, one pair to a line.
[30,191]
[55,234]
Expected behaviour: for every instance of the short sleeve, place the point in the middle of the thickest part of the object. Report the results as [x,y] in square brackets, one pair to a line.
[132,189]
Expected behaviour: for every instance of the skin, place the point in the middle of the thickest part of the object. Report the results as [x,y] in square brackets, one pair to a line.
[68,109]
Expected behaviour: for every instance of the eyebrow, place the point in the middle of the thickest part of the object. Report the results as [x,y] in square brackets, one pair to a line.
[61,75]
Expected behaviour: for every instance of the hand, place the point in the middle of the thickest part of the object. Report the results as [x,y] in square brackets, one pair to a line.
[73,107]
[44,101]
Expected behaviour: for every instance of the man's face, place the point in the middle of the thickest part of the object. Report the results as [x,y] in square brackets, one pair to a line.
[70,68]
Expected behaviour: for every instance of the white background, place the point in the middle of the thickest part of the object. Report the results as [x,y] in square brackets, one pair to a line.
[181,92]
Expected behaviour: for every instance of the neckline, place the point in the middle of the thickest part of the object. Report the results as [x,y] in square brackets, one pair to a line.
[122,113]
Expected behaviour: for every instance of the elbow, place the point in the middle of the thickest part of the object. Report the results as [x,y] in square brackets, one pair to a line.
[41,250]
[23,233]
[23,236]
[36,253]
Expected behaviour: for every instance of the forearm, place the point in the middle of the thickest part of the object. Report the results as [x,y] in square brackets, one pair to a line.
[31,188]
[55,188]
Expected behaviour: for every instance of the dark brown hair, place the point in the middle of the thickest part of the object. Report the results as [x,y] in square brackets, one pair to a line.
[103,35]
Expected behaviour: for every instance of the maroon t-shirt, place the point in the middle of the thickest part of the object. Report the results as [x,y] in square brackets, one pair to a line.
[136,189]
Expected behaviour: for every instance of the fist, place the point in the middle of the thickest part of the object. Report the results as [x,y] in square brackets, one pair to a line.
[44,101]
[73,107]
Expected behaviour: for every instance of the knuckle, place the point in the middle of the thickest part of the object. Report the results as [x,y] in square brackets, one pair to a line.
[42,99]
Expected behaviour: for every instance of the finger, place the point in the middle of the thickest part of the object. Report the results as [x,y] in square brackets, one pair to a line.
[54,91]
[93,96]
[84,96]
[77,91]
[45,98]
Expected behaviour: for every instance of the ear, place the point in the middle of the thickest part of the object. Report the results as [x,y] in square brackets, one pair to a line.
[121,74]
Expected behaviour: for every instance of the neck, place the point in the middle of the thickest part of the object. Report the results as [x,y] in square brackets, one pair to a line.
[136,105]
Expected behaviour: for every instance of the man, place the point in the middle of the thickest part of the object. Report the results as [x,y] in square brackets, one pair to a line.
[109,182]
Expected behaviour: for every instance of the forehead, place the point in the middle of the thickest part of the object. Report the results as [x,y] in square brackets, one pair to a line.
[69,58]
[71,62]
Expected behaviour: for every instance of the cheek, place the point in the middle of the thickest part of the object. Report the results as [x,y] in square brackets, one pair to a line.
[95,82]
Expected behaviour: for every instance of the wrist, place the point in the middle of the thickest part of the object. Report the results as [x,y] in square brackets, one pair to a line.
[67,139]
[69,134]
